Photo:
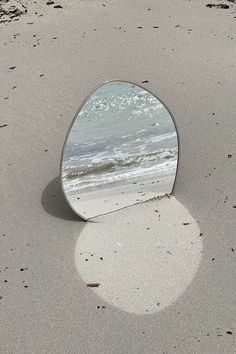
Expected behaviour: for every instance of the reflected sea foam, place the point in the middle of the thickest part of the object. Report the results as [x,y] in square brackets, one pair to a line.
[122,135]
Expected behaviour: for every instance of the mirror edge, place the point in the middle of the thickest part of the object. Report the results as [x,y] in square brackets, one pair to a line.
[76,115]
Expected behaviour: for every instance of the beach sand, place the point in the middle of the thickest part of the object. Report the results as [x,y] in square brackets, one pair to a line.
[51,59]
[102,201]
[145,249]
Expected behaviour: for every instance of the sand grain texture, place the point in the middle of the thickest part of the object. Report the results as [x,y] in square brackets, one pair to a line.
[59,57]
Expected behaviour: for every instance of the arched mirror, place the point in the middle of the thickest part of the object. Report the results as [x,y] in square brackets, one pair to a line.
[121,149]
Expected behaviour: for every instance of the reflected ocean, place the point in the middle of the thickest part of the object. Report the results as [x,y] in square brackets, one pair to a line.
[122,135]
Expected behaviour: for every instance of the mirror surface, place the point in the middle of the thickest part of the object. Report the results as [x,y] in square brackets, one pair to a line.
[122,149]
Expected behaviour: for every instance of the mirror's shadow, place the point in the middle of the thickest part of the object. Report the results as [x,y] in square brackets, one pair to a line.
[122,149]
[53,202]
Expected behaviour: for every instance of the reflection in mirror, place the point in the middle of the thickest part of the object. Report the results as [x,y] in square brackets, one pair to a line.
[122,149]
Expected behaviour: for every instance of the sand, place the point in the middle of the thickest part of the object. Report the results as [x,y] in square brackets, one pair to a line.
[154,257]
[102,201]
[185,53]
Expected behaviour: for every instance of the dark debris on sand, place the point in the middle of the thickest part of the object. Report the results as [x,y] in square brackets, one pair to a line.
[11,10]
[219,6]
[93,285]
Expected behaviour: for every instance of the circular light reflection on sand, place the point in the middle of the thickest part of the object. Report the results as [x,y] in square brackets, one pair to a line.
[143,257]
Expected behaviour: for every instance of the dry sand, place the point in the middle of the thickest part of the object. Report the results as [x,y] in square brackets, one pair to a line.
[185,53]
[151,250]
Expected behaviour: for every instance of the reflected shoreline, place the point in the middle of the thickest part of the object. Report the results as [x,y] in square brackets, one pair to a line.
[122,136]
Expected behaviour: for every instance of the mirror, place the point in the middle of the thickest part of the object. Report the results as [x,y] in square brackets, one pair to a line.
[121,149]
